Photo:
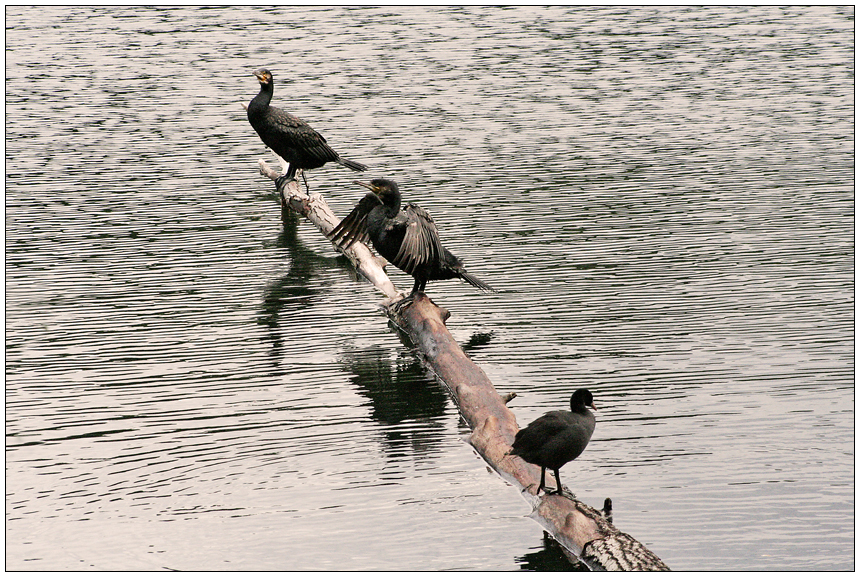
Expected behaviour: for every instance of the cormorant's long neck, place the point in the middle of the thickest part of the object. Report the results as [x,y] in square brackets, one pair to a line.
[261,101]
[392,202]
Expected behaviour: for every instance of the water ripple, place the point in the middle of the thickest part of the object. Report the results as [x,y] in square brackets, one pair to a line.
[663,196]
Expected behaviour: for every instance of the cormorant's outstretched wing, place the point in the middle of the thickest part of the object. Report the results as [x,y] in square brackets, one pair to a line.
[421,245]
[354,227]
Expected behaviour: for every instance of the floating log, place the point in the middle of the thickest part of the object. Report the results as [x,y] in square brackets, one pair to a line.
[314,208]
[586,532]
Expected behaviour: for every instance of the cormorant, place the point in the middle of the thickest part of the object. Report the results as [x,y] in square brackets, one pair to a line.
[290,137]
[405,236]
[557,437]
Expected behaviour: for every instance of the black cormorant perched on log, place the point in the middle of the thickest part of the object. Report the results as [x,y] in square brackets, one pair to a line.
[557,437]
[290,137]
[405,236]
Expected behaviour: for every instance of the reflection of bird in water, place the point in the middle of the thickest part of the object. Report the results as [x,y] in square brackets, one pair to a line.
[287,297]
[406,236]
[399,389]
[557,437]
[289,137]
[551,557]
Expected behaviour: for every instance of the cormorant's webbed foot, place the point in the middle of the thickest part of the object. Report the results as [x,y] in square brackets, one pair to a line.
[280,181]
[405,302]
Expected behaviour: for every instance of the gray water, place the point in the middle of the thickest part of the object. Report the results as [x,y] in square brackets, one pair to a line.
[663,196]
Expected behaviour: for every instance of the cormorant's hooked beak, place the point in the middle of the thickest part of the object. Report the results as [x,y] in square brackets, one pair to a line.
[368,186]
[262,75]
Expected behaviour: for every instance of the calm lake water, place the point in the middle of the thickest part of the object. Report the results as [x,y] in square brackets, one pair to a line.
[663,196]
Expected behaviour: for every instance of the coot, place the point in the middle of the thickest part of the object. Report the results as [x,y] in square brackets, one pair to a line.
[557,437]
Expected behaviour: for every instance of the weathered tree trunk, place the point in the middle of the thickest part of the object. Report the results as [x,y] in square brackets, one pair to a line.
[578,527]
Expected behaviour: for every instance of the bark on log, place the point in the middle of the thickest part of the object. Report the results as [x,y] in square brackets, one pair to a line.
[580,528]
[316,209]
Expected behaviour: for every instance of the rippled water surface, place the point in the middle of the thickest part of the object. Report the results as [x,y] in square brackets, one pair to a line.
[663,196]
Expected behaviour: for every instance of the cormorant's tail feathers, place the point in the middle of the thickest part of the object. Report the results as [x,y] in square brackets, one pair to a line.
[475,281]
[352,165]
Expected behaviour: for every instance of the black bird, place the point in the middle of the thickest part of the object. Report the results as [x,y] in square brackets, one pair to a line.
[405,236]
[290,137]
[557,437]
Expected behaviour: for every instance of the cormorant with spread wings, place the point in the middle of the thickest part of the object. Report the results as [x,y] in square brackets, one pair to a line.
[405,235]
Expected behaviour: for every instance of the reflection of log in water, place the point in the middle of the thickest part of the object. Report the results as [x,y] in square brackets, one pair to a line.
[578,527]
